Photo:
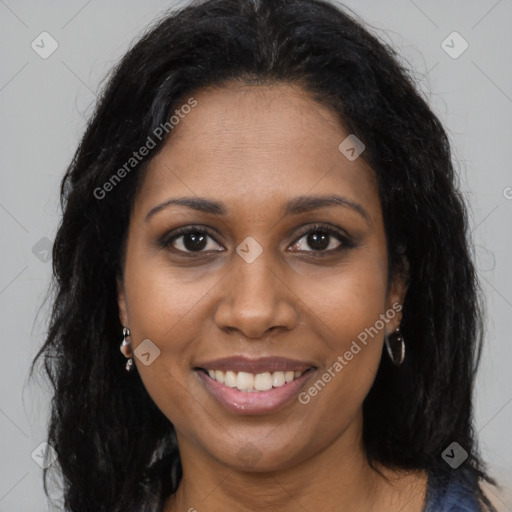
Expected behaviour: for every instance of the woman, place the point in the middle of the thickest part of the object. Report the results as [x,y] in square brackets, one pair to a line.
[263,217]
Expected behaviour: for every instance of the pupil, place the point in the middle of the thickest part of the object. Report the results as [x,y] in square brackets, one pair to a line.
[316,241]
[198,241]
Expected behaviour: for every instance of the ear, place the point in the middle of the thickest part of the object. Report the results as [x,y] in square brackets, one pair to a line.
[121,302]
[397,291]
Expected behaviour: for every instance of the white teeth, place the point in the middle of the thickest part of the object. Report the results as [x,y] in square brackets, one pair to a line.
[263,381]
[230,379]
[244,381]
[250,382]
[278,379]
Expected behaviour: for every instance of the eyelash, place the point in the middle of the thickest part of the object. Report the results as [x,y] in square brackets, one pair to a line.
[345,241]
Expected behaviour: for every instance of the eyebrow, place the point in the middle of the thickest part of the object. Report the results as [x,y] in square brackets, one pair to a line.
[295,206]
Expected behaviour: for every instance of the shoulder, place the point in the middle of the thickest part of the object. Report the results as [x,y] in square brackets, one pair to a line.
[454,491]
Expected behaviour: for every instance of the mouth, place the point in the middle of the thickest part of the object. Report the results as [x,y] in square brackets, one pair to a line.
[247,393]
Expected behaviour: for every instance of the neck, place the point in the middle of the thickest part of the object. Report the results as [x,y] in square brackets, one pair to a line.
[337,478]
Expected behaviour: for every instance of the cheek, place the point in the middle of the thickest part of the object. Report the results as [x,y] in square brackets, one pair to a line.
[346,299]
[346,307]
[163,300]
[168,305]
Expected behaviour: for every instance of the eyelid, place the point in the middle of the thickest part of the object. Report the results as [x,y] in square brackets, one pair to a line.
[326,227]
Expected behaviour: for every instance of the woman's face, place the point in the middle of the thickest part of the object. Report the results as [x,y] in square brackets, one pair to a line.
[248,282]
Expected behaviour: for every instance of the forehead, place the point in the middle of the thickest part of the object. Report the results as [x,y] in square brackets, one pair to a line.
[246,143]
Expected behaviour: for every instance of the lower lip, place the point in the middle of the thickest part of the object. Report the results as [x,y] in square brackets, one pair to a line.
[257,402]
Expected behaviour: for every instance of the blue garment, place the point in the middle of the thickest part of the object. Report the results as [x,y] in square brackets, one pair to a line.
[454,492]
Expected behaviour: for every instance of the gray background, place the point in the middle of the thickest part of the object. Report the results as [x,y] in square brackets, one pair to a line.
[44,104]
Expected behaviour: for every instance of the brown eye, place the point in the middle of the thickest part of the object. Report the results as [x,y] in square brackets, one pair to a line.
[322,239]
[194,241]
[190,240]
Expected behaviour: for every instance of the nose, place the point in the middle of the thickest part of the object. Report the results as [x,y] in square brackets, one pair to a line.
[255,299]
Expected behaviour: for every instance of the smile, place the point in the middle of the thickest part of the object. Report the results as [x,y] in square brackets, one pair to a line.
[249,400]
[250,382]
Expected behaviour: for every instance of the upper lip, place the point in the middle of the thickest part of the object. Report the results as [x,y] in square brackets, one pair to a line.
[259,365]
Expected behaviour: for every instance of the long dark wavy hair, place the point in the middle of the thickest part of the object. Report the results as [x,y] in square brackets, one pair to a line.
[116,450]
